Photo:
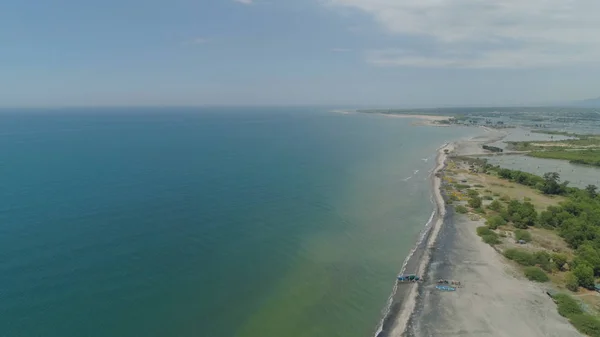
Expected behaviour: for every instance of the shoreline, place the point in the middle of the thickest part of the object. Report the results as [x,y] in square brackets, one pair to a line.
[403,300]
[440,213]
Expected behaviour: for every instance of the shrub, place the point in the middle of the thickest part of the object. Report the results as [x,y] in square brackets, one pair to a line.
[526,199]
[488,236]
[520,256]
[495,222]
[586,324]
[543,260]
[483,230]
[461,209]
[572,283]
[461,186]
[521,234]
[475,202]
[505,198]
[488,197]
[478,185]
[495,206]
[536,274]
[559,260]
[585,275]
[472,193]
[480,210]
[491,239]
[567,306]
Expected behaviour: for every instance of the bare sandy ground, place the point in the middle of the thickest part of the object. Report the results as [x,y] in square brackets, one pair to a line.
[400,324]
[495,301]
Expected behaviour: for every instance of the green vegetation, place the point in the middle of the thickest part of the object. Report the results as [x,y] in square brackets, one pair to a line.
[585,157]
[475,202]
[488,236]
[524,235]
[585,275]
[570,308]
[461,209]
[527,259]
[521,214]
[536,274]
[567,306]
[492,148]
[472,193]
[461,186]
[495,221]
[495,206]
[555,132]
[586,324]
[488,197]
[559,260]
[571,282]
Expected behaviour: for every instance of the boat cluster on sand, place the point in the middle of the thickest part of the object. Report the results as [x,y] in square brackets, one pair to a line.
[442,284]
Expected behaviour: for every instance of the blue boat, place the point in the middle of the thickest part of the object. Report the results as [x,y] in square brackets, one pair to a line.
[445,288]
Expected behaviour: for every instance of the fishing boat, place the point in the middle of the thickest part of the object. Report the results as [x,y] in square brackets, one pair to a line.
[408,278]
[445,288]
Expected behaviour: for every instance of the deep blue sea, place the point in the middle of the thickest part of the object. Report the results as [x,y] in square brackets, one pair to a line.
[250,222]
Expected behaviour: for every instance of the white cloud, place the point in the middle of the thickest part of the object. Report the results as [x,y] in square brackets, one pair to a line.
[340,50]
[244,2]
[485,33]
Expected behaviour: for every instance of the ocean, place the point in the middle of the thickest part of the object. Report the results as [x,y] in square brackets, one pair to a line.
[207,221]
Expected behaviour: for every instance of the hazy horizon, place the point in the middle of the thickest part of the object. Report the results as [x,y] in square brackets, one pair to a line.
[342,53]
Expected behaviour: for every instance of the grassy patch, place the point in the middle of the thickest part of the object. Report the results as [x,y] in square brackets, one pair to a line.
[536,274]
[521,234]
[586,157]
[570,308]
[488,236]
[461,209]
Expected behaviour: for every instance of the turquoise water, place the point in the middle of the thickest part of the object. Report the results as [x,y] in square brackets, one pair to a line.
[206,222]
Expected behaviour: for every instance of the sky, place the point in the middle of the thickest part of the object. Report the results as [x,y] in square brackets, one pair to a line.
[345,53]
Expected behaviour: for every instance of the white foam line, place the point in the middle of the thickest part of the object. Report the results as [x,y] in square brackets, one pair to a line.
[422,236]
[407,179]
[390,300]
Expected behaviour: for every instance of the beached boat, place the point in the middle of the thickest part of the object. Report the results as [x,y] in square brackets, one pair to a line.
[445,288]
[408,278]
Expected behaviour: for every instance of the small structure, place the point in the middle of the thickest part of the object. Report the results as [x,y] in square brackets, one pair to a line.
[522,242]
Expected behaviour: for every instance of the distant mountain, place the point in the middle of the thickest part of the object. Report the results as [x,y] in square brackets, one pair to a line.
[588,103]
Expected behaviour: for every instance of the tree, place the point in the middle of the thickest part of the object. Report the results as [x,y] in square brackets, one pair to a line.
[587,254]
[522,214]
[551,185]
[592,191]
[585,275]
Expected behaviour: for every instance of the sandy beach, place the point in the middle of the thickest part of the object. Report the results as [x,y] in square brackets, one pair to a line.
[494,300]
[405,298]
